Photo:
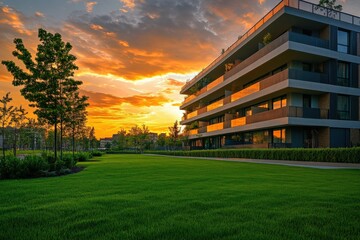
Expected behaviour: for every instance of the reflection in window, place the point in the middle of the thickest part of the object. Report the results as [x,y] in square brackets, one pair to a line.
[343,107]
[279,136]
[343,41]
[343,73]
[279,102]
[261,137]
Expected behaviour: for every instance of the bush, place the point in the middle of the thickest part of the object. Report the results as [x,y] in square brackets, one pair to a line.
[37,166]
[82,156]
[59,165]
[34,166]
[49,157]
[96,153]
[344,155]
[10,167]
[69,160]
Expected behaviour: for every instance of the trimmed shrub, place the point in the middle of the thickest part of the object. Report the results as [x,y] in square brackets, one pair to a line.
[82,156]
[10,167]
[69,160]
[49,157]
[96,153]
[33,166]
[343,155]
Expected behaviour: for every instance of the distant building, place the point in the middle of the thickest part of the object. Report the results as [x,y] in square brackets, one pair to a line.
[292,80]
[105,142]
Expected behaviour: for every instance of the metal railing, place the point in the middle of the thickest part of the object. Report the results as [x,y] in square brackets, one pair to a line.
[297,4]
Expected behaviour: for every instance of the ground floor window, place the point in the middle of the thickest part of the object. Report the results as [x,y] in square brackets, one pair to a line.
[279,135]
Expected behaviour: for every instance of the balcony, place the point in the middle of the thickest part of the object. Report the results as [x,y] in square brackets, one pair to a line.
[263,84]
[238,122]
[289,111]
[245,92]
[204,89]
[287,36]
[297,4]
[215,127]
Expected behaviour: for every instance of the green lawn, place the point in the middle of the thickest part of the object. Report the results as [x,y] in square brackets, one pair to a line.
[150,197]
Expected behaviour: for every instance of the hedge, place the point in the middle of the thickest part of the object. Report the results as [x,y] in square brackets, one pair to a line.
[341,155]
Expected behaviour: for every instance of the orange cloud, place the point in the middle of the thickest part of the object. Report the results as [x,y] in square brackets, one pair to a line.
[123,43]
[90,6]
[174,82]
[97,99]
[9,17]
[39,14]
[128,3]
[96,27]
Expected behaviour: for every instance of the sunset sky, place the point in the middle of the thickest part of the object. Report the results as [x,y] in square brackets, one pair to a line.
[133,55]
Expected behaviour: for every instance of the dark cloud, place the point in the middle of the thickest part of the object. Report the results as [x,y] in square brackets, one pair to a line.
[159,36]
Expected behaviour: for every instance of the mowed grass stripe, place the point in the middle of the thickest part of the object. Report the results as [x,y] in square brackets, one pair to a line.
[150,197]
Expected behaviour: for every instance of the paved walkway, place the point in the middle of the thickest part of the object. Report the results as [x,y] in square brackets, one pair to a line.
[319,165]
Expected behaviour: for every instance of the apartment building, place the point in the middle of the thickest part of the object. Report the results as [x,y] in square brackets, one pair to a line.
[292,80]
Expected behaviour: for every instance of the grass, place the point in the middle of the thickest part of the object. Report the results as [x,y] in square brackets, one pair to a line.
[152,197]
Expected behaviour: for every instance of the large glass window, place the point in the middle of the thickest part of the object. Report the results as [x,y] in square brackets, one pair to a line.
[279,136]
[343,107]
[279,102]
[343,74]
[261,137]
[343,41]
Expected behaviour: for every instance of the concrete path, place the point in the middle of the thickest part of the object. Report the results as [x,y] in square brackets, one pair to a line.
[318,165]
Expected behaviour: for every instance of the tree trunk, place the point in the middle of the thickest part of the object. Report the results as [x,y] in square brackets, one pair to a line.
[55,140]
[3,142]
[14,144]
[73,143]
[61,138]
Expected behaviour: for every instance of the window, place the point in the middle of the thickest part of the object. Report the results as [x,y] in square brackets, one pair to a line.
[217,120]
[260,137]
[248,111]
[343,74]
[343,41]
[279,102]
[307,32]
[279,136]
[306,67]
[306,101]
[343,107]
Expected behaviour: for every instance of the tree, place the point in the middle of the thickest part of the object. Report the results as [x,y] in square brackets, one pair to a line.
[6,113]
[47,78]
[174,133]
[75,116]
[329,7]
[120,140]
[139,137]
[18,118]
[92,138]
[331,4]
